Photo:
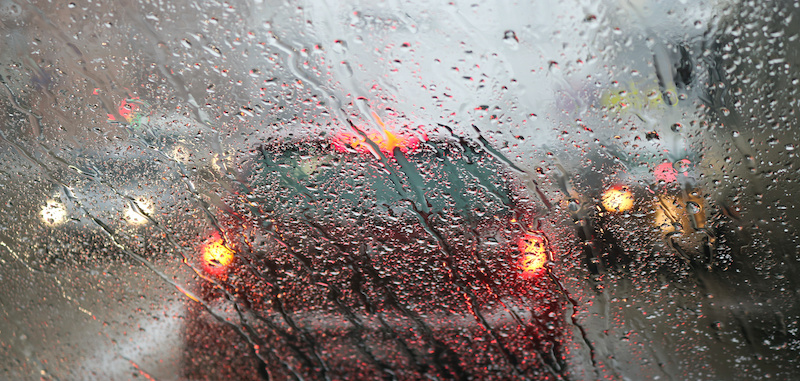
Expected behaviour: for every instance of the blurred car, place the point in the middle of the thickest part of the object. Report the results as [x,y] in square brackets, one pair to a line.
[641,192]
[621,212]
[95,199]
[381,255]
[125,190]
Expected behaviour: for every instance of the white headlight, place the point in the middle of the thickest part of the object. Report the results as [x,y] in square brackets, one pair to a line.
[181,154]
[54,212]
[133,215]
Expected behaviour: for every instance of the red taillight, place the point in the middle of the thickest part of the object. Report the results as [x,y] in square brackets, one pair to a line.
[216,256]
[533,247]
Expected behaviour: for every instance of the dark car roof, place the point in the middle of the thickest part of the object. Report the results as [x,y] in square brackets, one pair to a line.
[320,178]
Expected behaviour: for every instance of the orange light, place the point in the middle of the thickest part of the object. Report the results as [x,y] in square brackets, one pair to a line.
[534,254]
[216,256]
[386,140]
[617,199]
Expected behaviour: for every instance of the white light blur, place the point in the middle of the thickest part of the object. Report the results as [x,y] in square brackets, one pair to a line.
[54,212]
[181,154]
[134,217]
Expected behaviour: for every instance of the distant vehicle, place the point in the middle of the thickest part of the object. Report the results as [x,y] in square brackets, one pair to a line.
[628,209]
[124,190]
[642,189]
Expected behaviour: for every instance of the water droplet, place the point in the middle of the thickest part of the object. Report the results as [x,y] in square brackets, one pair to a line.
[339,46]
[693,207]
[573,205]
[510,38]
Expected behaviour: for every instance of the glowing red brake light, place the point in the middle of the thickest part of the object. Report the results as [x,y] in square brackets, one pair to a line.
[533,247]
[216,256]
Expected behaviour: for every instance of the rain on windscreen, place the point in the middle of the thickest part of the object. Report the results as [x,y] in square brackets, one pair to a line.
[399,190]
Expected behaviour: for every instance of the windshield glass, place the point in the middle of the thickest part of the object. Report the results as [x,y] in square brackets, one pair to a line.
[399,190]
